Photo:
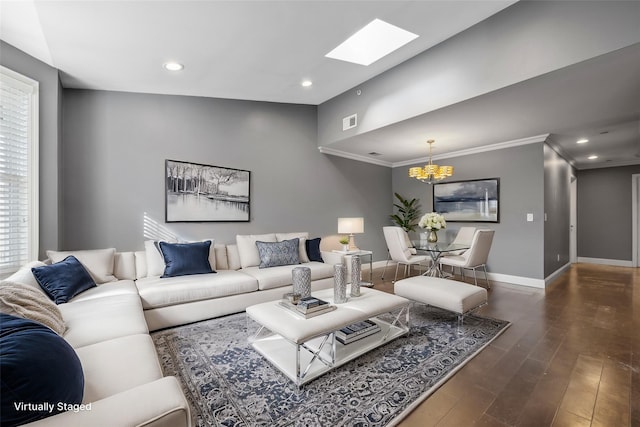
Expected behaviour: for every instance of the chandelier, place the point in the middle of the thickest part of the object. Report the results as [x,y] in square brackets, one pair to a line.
[430,172]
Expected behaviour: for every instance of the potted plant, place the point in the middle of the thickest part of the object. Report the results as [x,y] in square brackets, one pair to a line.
[408,213]
[344,241]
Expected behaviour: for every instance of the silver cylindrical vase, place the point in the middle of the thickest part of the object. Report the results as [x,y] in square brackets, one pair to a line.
[339,284]
[301,277]
[356,269]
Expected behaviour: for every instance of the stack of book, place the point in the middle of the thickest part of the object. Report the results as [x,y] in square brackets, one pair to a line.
[357,331]
[309,307]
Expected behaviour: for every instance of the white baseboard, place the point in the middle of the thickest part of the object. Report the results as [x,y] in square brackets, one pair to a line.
[614,262]
[506,278]
[518,280]
[378,264]
[553,276]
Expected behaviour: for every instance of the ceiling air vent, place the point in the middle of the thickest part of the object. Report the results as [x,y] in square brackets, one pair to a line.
[350,122]
[373,153]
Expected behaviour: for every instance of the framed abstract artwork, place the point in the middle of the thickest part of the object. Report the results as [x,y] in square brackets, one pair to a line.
[203,193]
[476,200]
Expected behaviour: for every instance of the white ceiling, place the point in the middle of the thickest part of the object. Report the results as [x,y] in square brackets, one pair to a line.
[262,50]
[258,50]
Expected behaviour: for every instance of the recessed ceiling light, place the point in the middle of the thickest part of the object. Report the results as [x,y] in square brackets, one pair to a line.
[582,141]
[306,83]
[173,66]
[376,40]
[592,157]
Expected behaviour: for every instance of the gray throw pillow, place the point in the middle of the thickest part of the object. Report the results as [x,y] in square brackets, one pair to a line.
[273,254]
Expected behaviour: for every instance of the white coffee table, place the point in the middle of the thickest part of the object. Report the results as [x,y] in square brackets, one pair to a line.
[304,349]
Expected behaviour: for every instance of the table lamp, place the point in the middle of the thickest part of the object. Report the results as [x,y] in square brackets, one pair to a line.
[351,226]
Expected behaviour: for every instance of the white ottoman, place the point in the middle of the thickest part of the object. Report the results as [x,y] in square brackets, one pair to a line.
[451,295]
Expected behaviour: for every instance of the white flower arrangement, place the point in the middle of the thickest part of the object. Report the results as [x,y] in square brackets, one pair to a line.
[432,221]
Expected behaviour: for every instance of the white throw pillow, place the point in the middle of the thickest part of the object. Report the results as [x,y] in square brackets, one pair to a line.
[155,261]
[302,249]
[24,275]
[248,251]
[98,262]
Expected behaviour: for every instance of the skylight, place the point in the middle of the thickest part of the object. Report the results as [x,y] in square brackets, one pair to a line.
[376,40]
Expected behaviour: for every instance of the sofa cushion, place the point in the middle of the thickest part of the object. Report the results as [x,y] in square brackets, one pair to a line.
[117,365]
[20,300]
[249,256]
[182,259]
[155,261]
[121,287]
[273,254]
[63,280]
[37,366]
[160,292]
[25,275]
[124,266]
[275,277]
[98,262]
[100,319]
[312,247]
[233,257]
[302,236]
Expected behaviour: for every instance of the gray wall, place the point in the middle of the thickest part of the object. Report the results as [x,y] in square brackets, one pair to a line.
[491,55]
[604,213]
[557,196]
[518,245]
[115,144]
[49,137]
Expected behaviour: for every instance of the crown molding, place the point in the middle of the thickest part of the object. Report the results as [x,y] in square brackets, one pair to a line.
[551,142]
[476,150]
[358,157]
[611,164]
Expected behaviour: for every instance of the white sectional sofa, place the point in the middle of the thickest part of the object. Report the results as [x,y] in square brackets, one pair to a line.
[108,325]
[238,283]
[123,381]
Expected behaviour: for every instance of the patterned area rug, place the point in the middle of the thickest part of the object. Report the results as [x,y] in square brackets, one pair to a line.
[227,383]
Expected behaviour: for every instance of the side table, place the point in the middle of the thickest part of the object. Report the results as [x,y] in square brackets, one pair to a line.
[346,255]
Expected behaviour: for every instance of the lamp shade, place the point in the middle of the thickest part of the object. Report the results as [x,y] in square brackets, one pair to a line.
[350,225]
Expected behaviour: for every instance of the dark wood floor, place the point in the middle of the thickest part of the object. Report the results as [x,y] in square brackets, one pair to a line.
[571,356]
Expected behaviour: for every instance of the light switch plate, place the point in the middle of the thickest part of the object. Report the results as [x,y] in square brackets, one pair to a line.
[529,217]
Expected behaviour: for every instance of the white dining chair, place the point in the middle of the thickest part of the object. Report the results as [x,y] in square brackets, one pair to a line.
[463,237]
[474,257]
[401,252]
[412,251]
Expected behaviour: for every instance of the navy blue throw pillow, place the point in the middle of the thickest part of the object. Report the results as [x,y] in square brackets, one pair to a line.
[313,249]
[41,373]
[63,280]
[183,259]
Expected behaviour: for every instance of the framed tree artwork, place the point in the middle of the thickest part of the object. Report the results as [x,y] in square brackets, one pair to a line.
[476,200]
[204,193]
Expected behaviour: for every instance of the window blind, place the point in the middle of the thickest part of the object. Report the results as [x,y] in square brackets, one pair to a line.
[18,171]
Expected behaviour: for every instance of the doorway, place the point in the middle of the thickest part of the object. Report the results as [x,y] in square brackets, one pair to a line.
[573,221]
[635,227]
